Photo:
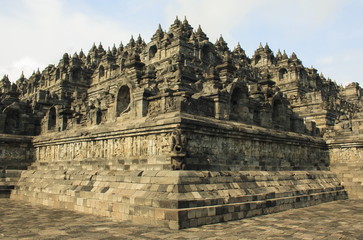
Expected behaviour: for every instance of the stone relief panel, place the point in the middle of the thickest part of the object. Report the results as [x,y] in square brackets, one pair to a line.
[15,155]
[346,155]
[235,153]
[130,147]
[155,107]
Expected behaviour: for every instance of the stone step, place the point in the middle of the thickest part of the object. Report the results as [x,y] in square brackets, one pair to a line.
[100,166]
[141,196]
[5,190]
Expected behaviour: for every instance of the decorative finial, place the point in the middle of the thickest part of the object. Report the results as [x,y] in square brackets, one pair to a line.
[293,55]
[94,47]
[139,39]
[75,55]
[114,49]
[81,53]
[267,48]
[100,47]
[284,55]
[185,20]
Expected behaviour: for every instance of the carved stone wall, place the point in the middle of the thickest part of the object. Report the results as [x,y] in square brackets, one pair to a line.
[16,152]
[243,148]
[131,150]
[346,156]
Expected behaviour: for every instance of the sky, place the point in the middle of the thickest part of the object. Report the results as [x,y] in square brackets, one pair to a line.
[325,34]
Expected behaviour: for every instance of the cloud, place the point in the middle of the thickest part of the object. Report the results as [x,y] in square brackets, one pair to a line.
[233,17]
[25,64]
[46,29]
[342,66]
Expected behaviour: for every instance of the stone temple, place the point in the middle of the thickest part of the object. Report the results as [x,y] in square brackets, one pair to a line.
[180,132]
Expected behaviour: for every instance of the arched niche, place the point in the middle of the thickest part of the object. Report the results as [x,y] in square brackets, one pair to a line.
[205,53]
[283,74]
[238,104]
[278,112]
[12,121]
[101,72]
[123,100]
[152,51]
[257,59]
[98,116]
[77,74]
[57,74]
[52,118]
[125,55]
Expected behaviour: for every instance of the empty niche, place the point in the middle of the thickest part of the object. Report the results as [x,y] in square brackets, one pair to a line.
[205,53]
[12,121]
[152,51]
[57,74]
[76,75]
[101,72]
[98,117]
[52,118]
[257,59]
[123,100]
[237,104]
[282,74]
[278,112]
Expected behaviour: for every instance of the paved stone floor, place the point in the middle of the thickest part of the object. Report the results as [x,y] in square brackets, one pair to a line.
[334,220]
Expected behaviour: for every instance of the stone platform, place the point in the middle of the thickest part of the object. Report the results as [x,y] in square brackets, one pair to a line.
[176,199]
[333,220]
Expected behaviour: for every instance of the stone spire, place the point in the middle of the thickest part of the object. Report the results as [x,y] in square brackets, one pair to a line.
[186,26]
[284,55]
[75,55]
[100,47]
[114,49]
[131,42]
[221,44]
[267,48]
[200,34]
[177,21]
[239,50]
[94,48]
[120,47]
[21,78]
[81,54]
[159,34]
[279,55]
[139,40]
[109,53]
[5,78]
[293,55]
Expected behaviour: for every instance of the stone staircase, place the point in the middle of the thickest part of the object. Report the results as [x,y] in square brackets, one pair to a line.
[351,175]
[8,180]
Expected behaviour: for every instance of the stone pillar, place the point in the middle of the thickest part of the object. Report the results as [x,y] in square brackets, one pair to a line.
[221,106]
[2,122]
[140,103]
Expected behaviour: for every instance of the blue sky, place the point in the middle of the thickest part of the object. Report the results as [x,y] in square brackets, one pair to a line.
[326,34]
